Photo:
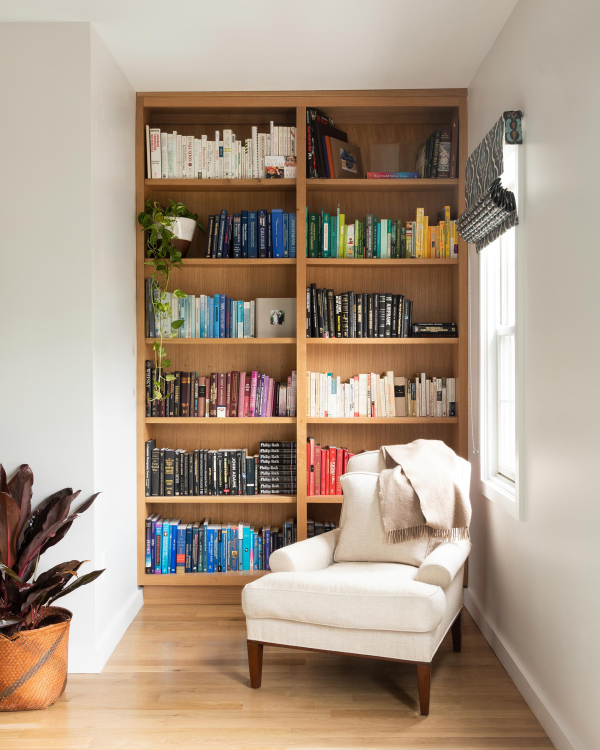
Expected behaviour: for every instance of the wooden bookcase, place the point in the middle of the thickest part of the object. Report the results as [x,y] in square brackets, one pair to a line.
[438,289]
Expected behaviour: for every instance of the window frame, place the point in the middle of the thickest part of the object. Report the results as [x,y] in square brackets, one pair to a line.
[495,486]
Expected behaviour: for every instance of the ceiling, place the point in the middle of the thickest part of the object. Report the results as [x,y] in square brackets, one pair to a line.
[271,45]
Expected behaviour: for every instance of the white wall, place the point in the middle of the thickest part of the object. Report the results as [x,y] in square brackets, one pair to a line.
[533,585]
[63,379]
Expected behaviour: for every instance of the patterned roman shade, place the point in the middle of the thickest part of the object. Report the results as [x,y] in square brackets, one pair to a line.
[491,210]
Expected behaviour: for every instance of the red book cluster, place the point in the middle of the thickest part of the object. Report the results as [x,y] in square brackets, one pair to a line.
[324,468]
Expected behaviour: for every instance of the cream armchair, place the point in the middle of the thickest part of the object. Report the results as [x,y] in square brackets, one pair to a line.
[348,592]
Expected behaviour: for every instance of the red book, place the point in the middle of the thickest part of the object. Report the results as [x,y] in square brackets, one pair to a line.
[339,470]
[346,459]
[213,395]
[332,459]
[310,467]
[324,471]
[317,469]
[241,392]
[202,396]
[228,395]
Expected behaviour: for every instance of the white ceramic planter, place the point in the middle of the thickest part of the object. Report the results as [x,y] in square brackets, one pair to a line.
[184,230]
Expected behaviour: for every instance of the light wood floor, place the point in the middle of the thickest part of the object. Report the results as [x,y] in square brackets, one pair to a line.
[179,679]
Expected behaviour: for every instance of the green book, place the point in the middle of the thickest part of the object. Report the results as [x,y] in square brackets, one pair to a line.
[326,236]
[333,236]
[342,237]
[394,253]
[376,238]
[369,236]
[357,246]
[313,241]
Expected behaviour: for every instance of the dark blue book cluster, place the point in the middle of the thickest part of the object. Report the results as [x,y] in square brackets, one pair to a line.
[252,234]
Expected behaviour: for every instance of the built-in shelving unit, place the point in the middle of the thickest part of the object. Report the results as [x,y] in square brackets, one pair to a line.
[438,289]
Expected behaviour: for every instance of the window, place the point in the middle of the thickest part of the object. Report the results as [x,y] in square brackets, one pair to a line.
[499,417]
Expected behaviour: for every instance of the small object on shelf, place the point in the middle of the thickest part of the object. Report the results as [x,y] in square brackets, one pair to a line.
[434,330]
[392,175]
[275,317]
[345,162]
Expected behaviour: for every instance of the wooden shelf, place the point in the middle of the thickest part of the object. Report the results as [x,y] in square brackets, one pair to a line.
[223,342]
[223,186]
[331,499]
[382,342]
[383,262]
[237,578]
[237,262]
[220,421]
[381,186]
[382,420]
[221,499]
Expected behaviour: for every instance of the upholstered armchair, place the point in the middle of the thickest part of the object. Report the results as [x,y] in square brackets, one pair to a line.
[347,591]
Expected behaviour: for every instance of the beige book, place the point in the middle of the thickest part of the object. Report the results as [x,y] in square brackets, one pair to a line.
[390,394]
[400,397]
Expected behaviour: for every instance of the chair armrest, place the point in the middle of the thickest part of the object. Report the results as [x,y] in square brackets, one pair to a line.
[441,566]
[312,554]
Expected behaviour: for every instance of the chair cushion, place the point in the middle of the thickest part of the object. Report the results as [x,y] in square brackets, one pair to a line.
[367,461]
[362,536]
[369,596]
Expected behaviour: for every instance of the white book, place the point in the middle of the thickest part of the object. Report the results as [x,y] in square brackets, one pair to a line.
[170,154]
[293,141]
[178,156]
[374,405]
[384,231]
[275,142]
[423,402]
[286,141]
[204,157]
[428,398]
[322,394]
[252,318]
[254,144]
[390,394]
[221,161]
[339,401]
[197,143]
[262,154]
[451,391]
[164,160]
[227,165]
[210,160]
[445,399]
[271,142]
[148,163]
[216,155]
[155,154]
[191,167]
[313,394]
[281,140]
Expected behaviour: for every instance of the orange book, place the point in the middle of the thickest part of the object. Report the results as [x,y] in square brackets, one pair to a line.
[339,470]
[324,470]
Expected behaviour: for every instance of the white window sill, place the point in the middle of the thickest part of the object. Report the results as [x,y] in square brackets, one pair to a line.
[502,493]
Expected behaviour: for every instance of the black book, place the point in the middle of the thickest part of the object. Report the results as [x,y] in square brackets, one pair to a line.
[154,403]
[399,316]
[338,316]
[394,327]
[250,490]
[405,305]
[429,330]
[196,486]
[324,305]
[410,310]
[262,233]
[214,240]
[359,316]
[345,317]
[170,403]
[269,236]
[169,472]
[148,379]
[155,472]
[161,472]
[185,467]
[308,312]
[364,315]
[320,332]
[369,316]
[375,316]
[221,236]
[331,313]
[150,446]
[314,321]
[177,394]
[289,444]
[381,321]
[351,316]
[211,224]
[220,481]
[388,316]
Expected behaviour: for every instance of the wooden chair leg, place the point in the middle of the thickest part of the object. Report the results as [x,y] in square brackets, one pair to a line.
[424,678]
[457,633]
[255,658]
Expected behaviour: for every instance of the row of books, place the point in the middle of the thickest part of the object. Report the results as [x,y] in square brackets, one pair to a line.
[204,472]
[373,395]
[315,528]
[252,234]
[324,467]
[175,548]
[329,236]
[437,157]
[222,394]
[203,317]
[224,156]
[354,315]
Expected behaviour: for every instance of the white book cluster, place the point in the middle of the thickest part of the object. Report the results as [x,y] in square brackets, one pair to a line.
[373,395]
[223,156]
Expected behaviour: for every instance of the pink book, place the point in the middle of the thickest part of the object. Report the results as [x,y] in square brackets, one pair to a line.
[247,397]
[271,398]
[241,391]
[253,393]
[264,403]
[356,395]
[282,400]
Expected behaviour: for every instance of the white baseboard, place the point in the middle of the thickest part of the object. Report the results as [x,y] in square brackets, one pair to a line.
[537,702]
[93,660]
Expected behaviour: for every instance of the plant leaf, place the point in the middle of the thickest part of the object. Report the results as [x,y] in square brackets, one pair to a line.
[85,505]
[11,574]
[9,621]
[88,578]
[10,515]
[36,519]
[3,482]
[21,491]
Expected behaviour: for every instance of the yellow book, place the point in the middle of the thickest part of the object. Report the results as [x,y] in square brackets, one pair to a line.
[441,251]
[426,240]
[447,233]
[417,217]
[432,242]
[342,237]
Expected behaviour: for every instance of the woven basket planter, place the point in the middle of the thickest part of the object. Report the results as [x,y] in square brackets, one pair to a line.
[33,665]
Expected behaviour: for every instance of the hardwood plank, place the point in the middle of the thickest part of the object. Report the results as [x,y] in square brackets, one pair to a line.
[381,186]
[220,186]
[221,499]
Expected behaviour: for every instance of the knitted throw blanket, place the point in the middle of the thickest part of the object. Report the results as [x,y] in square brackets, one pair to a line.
[424,492]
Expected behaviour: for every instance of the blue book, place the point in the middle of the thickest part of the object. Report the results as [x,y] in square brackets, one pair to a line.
[232,318]
[269,236]
[292,231]
[166,548]
[286,235]
[244,234]
[255,549]
[221,316]
[211,318]
[189,534]
[180,566]
[240,320]
[153,543]
[237,235]
[252,234]
[221,237]
[259,550]
[224,548]
[173,545]
[157,547]
[262,234]
[234,547]
[246,542]
[210,560]
[267,550]
[215,547]
[202,318]
[277,232]
[217,316]
[195,547]
[205,545]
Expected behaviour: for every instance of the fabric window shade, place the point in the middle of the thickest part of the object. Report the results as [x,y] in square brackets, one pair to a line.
[491,210]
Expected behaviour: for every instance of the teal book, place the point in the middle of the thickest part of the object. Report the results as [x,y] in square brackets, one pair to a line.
[165,547]
[286,235]
[377,227]
[292,234]
[205,545]
[247,541]
[173,545]
[181,547]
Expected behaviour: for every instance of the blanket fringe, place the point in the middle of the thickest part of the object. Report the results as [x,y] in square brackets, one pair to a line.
[426,532]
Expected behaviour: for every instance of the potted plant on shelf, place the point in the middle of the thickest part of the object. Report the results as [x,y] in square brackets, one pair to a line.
[169,232]
[34,633]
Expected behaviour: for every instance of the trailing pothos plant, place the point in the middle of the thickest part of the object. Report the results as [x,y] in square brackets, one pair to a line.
[162,257]
[24,537]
